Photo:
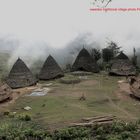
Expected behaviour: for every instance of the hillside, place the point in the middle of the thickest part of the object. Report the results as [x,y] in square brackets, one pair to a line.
[4,57]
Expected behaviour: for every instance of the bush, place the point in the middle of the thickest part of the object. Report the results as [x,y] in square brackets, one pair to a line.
[70,80]
[127,134]
[24,117]
[72,133]
[21,130]
[6,113]
[17,130]
[113,137]
[11,115]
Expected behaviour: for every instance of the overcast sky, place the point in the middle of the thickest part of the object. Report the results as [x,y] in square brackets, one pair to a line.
[57,22]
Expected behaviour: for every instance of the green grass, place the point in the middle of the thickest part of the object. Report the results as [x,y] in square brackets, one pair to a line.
[62,106]
[70,79]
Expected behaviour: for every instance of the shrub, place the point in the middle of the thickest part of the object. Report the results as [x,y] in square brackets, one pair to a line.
[70,80]
[127,134]
[15,129]
[72,133]
[19,130]
[24,117]
[6,113]
[113,137]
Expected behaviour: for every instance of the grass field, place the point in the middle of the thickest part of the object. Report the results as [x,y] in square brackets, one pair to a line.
[61,105]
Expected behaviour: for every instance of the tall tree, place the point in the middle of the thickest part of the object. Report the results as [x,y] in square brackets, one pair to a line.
[113,46]
[107,54]
[134,58]
[110,51]
[96,54]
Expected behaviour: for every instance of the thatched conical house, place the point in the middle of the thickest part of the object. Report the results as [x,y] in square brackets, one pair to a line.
[50,70]
[84,62]
[20,76]
[5,92]
[122,56]
[122,66]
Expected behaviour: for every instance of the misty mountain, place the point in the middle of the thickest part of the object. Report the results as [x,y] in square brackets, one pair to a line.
[7,44]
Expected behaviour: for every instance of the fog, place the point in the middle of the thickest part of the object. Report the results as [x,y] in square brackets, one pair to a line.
[34,29]
[33,52]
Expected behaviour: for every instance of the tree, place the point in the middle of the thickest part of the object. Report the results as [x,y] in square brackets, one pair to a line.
[110,51]
[96,54]
[107,54]
[114,48]
[134,58]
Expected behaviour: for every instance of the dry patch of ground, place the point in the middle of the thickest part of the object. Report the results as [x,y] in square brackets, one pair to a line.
[88,83]
[123,91]
[17,93]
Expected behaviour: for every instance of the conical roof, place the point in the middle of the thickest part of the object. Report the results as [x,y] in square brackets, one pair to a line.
[50,69]
[85,62]
[20,75]
[122,56]
[122,66]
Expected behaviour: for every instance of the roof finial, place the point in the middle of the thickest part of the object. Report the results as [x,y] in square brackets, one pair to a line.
[83,46]
[134,51]
[49,55]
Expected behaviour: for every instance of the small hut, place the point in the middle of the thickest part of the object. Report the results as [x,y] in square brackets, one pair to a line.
[84,62]
[122,56]
[5,92]
[122,66]
[20,76]
[50,70]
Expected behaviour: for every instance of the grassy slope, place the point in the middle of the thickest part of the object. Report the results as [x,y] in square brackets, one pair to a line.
[62,104]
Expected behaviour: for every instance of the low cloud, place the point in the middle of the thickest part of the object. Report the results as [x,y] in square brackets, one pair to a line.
[33,52]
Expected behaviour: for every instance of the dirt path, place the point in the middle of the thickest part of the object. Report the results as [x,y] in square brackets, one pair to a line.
[123,91]
[88,83]
[123,95]
[16,93]
[120,108]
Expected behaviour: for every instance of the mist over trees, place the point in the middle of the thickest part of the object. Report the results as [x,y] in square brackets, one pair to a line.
[111,51]
[107,54]
[35,53]
[8,44]
[134,58]
[96,54]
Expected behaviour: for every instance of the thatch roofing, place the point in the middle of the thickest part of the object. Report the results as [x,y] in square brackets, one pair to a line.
[5,92]
[50,69]
[122,56]
[85,62]
[122,66]
[135,87]
[20,76]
